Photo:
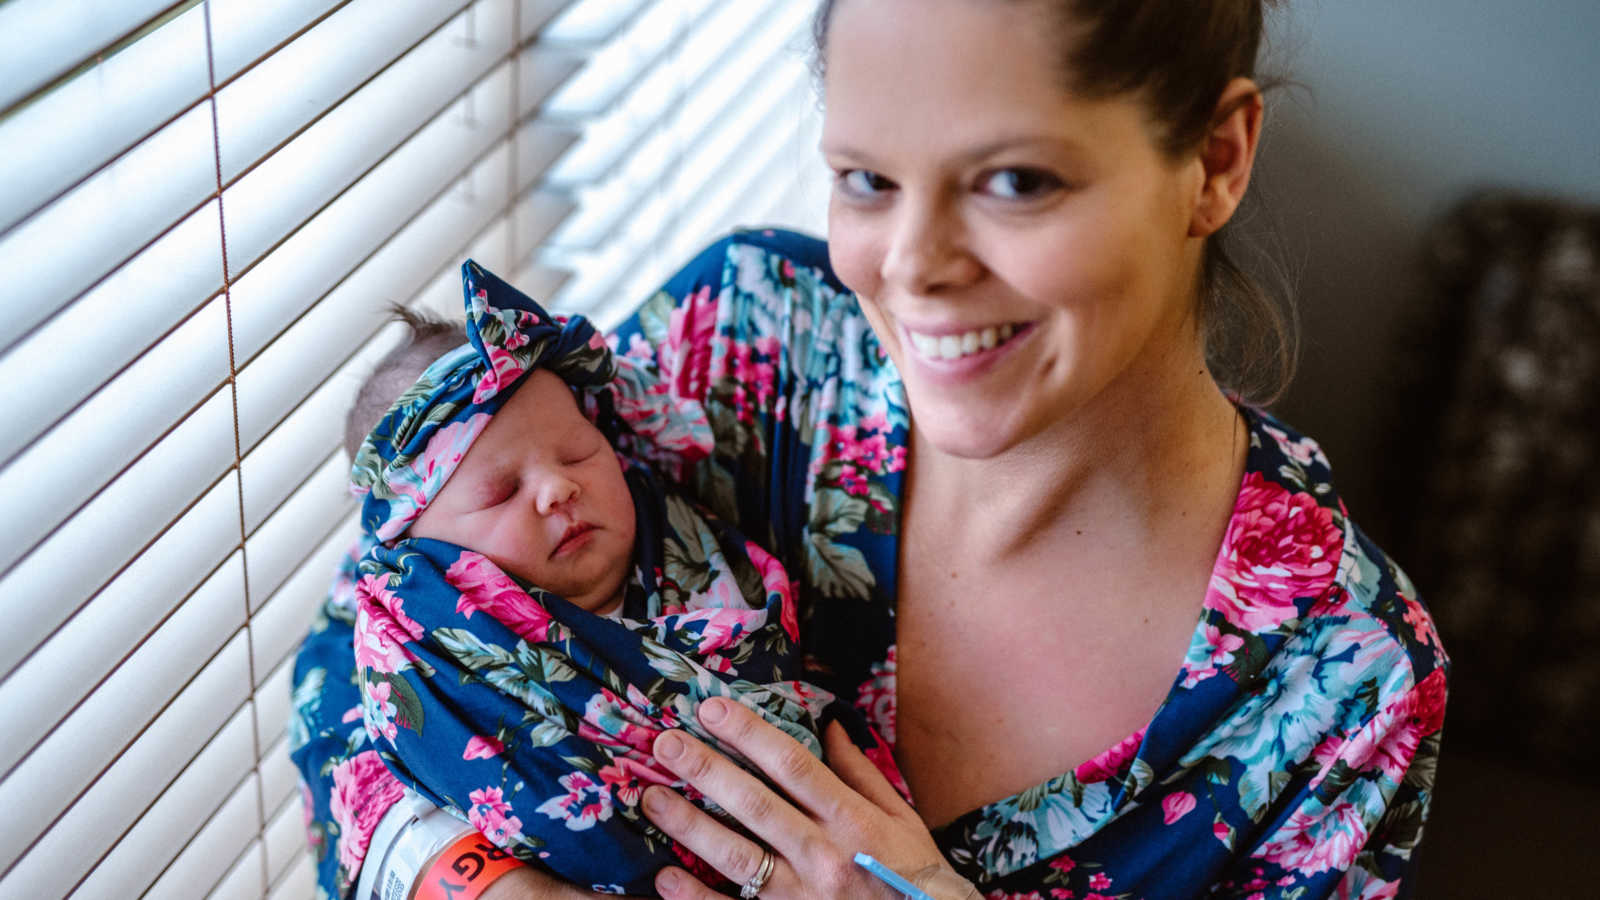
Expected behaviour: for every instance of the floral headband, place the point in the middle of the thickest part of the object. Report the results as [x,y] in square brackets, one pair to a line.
[419,442]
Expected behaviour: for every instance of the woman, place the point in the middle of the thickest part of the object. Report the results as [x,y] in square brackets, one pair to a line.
[1119,629]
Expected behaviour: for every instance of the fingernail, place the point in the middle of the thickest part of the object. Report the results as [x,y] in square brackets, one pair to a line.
[668,880]
[669,746]
[713,711]
[654,802]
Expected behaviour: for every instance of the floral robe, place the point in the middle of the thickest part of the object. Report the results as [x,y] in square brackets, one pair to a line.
[1294,754]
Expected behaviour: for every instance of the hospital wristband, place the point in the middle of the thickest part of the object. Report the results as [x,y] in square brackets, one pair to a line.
[465,869]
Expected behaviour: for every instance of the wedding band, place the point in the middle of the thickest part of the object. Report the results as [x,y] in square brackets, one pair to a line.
[752,888]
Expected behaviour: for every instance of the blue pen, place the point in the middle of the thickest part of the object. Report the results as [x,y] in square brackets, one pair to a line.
[890,877]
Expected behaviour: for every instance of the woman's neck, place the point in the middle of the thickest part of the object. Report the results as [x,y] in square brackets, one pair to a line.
[1154,450]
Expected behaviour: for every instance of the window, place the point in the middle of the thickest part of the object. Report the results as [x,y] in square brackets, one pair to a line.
[204,207]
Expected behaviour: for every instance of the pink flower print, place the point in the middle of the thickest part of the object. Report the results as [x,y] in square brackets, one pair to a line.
[617,724]
[627,779]
[685,356]
[1221,831]
[876,697]
[775,582]
[378,712]
[1061,894]
[1303,451]
[1279,546]
[1318,841]
[485,587]
[1222,647]
[585,803]
[1063,863]
[1111,762]
[1377,889]
[488,815]
[416,484]
[382,627]
[504,369]
[363,790]
[480,747]
[639,348]
[1175,806]
[883,759]
[1100,881]
[1390,740]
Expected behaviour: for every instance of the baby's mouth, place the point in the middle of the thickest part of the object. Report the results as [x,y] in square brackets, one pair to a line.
[572,537]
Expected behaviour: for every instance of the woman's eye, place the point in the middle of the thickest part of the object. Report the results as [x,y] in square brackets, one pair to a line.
[1020,184]
[863,182]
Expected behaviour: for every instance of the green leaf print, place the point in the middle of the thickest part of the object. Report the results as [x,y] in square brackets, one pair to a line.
[670,664]
[546,733]
[836,570]
[655,317]
[686,560]
[407,705]
[836,513]
[471,650]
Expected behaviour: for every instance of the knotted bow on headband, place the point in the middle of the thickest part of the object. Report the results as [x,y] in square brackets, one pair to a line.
[419,442]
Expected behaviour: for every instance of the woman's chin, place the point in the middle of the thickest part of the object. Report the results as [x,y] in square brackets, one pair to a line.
[966,433]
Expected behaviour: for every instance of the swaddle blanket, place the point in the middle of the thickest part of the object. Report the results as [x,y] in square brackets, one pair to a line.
[515,710]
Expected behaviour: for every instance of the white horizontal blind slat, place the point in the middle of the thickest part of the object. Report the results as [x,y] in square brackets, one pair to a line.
[298,883]
[69,763]
[76,128]
[444,130]
[279,626]
[243,879]
[139,857]
[134,659]
[209,856]
[67,134]
[284,840]
[40,40]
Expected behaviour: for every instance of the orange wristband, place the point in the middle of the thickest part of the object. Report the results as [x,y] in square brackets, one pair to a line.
[465,869]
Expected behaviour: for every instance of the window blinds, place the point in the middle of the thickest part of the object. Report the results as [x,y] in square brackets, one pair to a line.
[204,206]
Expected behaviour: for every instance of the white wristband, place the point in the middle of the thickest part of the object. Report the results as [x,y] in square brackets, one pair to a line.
[408,836]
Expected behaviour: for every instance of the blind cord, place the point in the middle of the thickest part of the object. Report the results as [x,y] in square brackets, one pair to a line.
[238,441]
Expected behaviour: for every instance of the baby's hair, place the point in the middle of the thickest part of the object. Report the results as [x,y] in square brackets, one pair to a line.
[427,338]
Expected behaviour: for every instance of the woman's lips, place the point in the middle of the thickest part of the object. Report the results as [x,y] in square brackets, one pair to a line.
[575,537]
[939,358]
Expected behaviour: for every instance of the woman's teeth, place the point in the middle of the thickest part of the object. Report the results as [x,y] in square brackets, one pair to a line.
[955,346]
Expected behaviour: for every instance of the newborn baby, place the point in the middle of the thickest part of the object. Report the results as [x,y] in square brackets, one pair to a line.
[532,612]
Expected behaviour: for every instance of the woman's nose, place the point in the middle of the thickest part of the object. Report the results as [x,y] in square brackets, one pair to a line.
[927,251]
[554,492]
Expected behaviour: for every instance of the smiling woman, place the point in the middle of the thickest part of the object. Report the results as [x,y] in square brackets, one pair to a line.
[1115,624]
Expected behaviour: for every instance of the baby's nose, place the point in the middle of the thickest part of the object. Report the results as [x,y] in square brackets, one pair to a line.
[554,492]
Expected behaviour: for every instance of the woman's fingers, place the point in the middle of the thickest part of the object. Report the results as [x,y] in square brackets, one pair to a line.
[806,780]
[733,855]
[856,771]
[743,795]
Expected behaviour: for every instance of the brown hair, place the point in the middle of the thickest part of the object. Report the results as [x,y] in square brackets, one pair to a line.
[427,338]
[1179,55]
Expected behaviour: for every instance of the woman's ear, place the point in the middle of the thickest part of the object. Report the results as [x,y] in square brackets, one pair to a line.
[1228,156]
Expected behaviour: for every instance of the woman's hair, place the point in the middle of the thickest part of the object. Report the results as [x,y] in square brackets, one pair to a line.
[1179,56]
[426,339]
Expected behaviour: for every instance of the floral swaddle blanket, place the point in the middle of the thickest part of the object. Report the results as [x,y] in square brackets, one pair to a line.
[508,706]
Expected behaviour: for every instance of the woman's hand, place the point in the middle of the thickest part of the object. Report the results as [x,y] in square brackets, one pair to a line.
[813,834]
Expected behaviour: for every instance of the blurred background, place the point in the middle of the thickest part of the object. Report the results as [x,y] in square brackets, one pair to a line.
[204,205]
[1432,191]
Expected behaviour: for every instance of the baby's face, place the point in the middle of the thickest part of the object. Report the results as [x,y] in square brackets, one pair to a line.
[541,493]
